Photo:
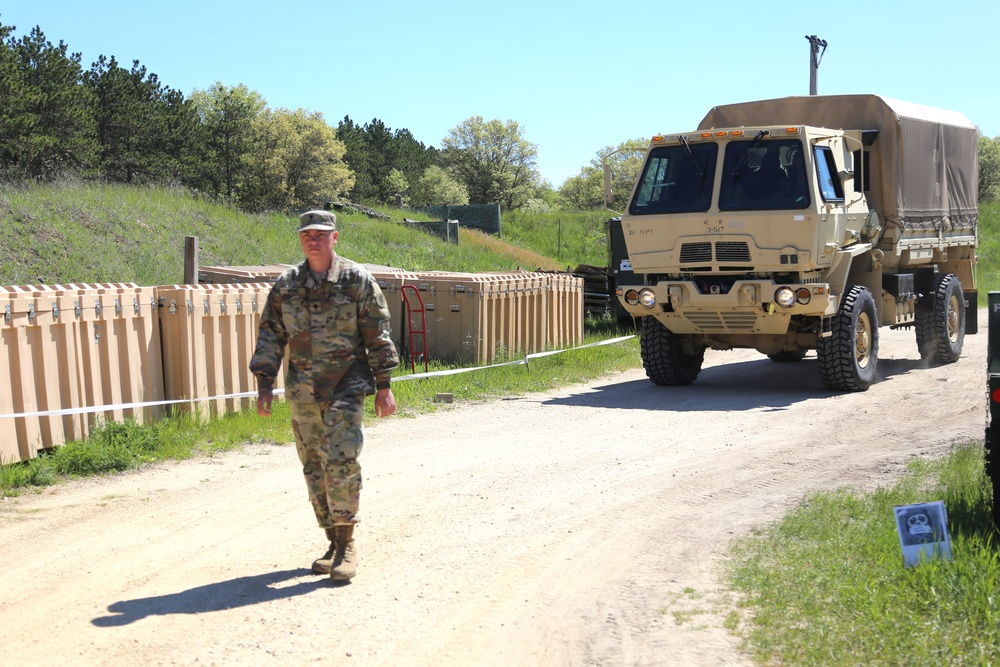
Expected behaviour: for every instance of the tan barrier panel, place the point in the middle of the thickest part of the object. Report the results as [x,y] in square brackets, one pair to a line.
[566,309]
[208,335]
[473,316]
[79,346]
[70,347]
[241,274]
[452,303]
[391,283]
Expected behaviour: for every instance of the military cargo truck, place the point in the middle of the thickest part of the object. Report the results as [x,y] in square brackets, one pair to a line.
[805,223]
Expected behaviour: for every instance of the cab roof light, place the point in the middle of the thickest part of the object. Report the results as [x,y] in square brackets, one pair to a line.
[791,130]
[721,133]
[737,133]
[706,135]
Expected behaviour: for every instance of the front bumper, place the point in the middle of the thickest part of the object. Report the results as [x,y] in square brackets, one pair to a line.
[744,306]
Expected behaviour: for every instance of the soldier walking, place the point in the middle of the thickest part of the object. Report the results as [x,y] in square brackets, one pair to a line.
[332,317]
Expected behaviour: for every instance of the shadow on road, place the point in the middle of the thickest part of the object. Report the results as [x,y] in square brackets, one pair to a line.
[745,385]
[239,592]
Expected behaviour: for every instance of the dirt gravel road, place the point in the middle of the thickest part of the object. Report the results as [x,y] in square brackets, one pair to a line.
[583,526]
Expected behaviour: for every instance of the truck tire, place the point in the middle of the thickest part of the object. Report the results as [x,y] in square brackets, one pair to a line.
[940,321]
[849,355]
[663,355]
[787,355]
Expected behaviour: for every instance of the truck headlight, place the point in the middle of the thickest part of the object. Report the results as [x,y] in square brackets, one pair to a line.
[803,295]
[784,297]
[647,297]
[631,297]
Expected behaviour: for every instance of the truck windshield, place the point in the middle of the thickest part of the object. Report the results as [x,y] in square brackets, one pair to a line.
[771,176]
[676,179]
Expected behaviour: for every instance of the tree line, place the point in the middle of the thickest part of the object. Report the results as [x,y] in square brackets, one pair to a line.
[122,124]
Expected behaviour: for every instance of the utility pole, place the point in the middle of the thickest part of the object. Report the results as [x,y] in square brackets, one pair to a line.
[815,56]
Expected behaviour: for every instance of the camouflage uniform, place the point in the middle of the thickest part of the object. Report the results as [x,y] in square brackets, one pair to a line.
[337,334]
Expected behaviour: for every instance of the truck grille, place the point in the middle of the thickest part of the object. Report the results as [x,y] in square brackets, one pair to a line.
[696,252]
[732,251]
[723,322]
[725,251]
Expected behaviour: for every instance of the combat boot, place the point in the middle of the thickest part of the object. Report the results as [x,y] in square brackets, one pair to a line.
[345,560]
[323,564]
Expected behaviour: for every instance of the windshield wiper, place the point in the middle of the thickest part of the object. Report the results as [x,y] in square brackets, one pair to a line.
[687,147]
[744,161]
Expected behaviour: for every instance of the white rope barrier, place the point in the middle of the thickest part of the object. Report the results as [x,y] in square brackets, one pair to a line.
[253,394]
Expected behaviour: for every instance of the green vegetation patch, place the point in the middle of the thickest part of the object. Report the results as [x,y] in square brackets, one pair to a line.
[988,253]
[827,586]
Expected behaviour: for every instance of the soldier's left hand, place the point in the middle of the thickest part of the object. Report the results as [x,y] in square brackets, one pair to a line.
[385,403]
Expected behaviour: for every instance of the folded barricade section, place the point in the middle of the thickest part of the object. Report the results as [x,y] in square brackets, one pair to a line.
[74,348]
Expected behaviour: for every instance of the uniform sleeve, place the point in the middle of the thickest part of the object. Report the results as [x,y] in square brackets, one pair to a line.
[271,340]
[373,321]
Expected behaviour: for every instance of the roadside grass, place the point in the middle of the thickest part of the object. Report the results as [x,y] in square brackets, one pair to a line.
[128,445]
[826,585]
[120,446]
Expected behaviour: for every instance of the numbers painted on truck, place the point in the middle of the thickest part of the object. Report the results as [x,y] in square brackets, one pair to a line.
[642,232]
[715,229]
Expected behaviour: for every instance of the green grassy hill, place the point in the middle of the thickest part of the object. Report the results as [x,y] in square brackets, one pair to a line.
[76,232]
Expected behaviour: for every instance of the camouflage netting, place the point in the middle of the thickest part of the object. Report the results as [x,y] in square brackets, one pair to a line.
[484,217]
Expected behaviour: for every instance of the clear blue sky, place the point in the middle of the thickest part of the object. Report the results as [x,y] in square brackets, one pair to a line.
[577,76]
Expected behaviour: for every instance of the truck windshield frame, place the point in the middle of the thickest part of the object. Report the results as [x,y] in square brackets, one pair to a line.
[764,176]
[676,179]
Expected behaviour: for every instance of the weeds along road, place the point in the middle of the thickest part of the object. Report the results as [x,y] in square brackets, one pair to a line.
[583,526]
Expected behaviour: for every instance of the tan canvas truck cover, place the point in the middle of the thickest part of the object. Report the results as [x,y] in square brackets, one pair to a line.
[924,171]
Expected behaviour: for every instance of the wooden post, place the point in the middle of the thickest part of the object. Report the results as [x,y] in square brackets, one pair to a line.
[190,260]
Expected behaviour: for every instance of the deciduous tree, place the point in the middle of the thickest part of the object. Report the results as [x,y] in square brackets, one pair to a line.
[989,169]
[436,187]
[493,160]
[298,161]
[585,191]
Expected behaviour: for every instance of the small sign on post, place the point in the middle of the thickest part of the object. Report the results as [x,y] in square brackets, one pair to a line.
[923,532]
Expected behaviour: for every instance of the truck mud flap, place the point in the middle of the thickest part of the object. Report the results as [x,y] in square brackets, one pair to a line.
[971,312]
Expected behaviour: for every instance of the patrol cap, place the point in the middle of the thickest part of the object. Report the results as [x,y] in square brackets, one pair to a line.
[323,220]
